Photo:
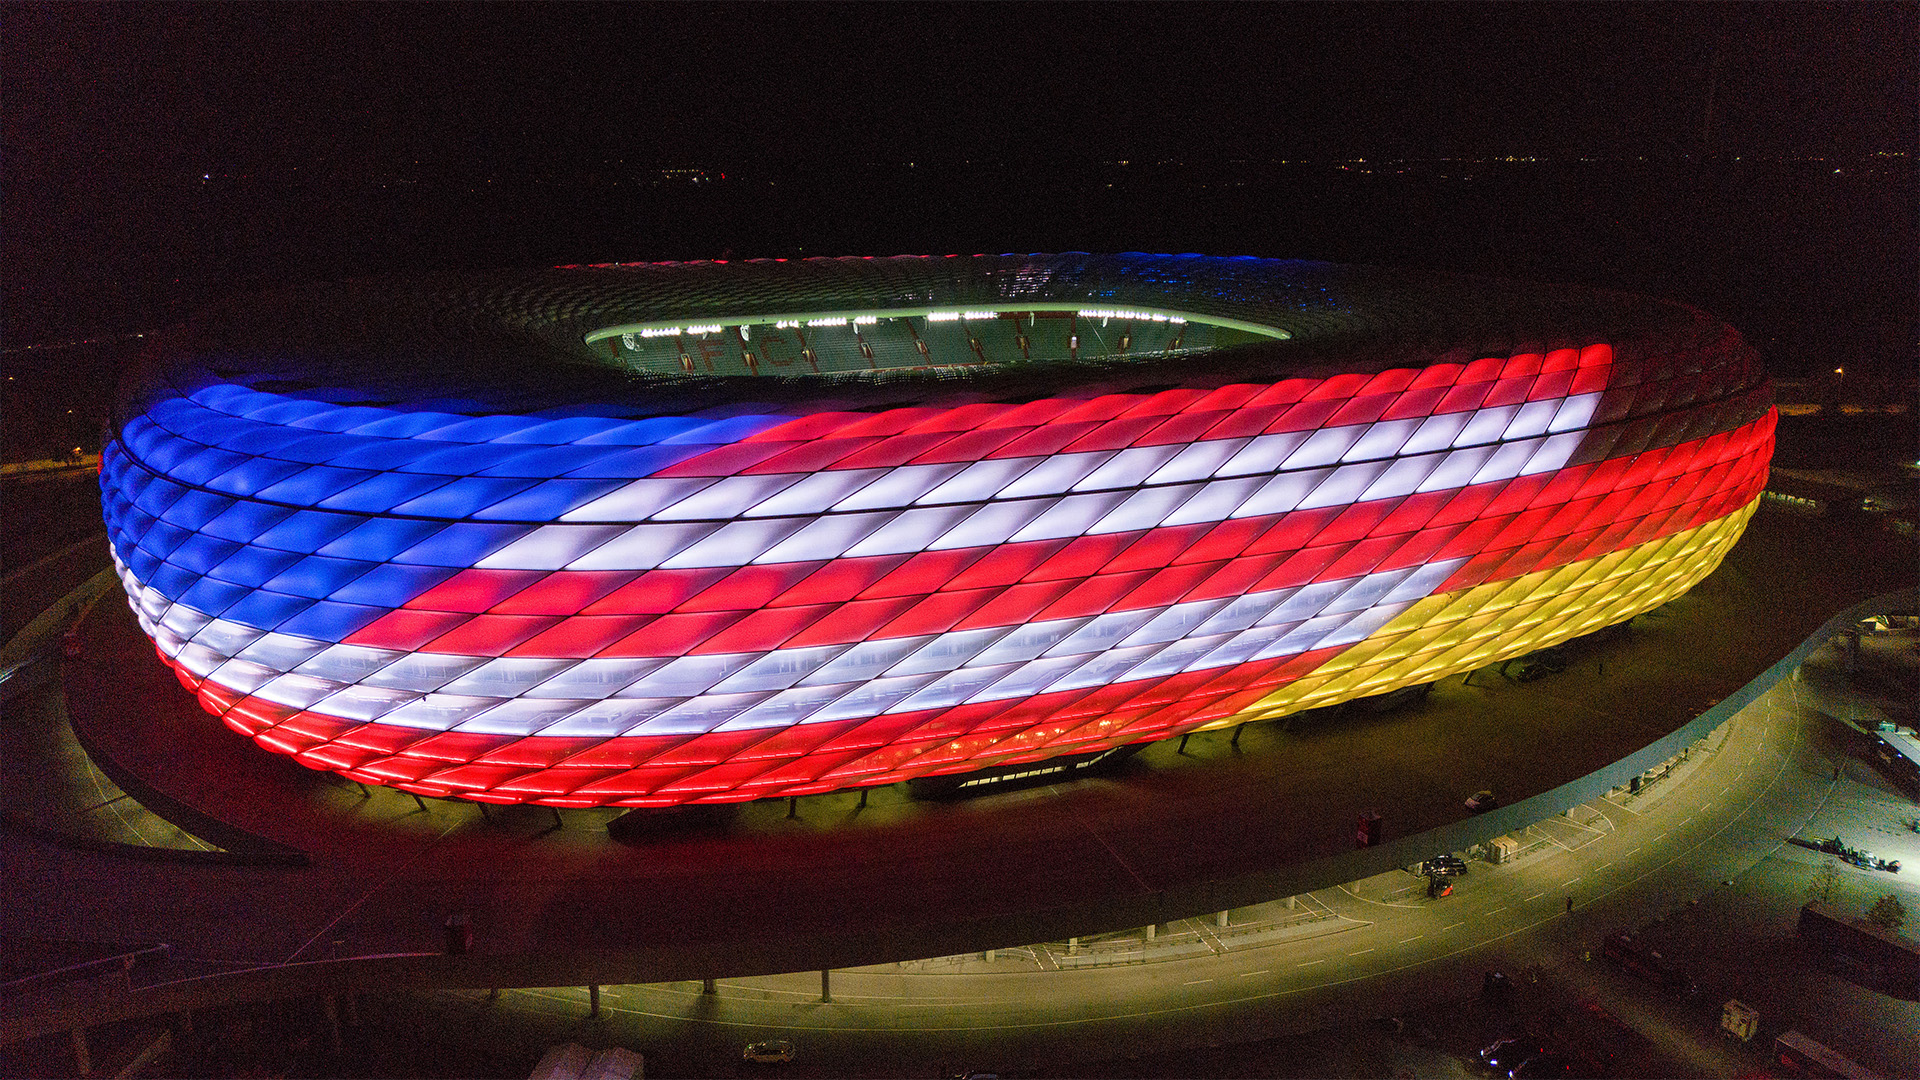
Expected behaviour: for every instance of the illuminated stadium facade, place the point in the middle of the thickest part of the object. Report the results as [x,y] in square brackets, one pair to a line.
[654,534]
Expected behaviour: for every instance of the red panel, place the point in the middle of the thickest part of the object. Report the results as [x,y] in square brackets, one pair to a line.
[673,635]
[964,418]
[839,580]
[1167,586]
[1113,435]
[1236,577]
[1363,558]
[1552,384]
[852,622]
[1508,391]
[1042,441]
[1307,415]
[814,426]
[750,587]
[1436,376]
[489,635]
[890,421]
[1246,422]
[456,746]
[971,445]
[893,452]
[1224,540]
[725,460]
[1005,564]
[657,592]
[1182,428]
[1014,605]
[1415,403]
[1084,556]
[405,631]
[1464,397]
[538,752]
[810,457]
[762,630]
[1099,409]
[475,590]
[1231,396]
[1158,548]
[1284,392]
[563,592]
[1362,410]
[926,572]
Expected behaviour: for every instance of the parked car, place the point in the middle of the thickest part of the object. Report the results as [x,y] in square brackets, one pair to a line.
[1481,801]
[1444,866]
[770,1052]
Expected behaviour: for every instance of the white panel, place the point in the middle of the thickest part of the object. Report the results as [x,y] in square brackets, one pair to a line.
[1175,622]
[900,487]
[1128,468]
[1424,579]
[1243,612]
[825,537]
[198,659]
[243,676]
[606,718]
[1403,477]
[1030,678]
[992,524]
[948,651]
[1029,640]
[507,676]
[785,709]
[438,712]
[638,499]
[642,547]
[298,691]
[1457,469]
[911,531]
[1382,440]
[1486,425]
[1306,602]
[816,492]
[184,621]
[1532,419]
[550,547]
[688,675]
[1263,454]
[1104,631]
[865,660]
[227,638]
[979,481]
[1554,452]
[521,716]
[1344,486]
[597,678]
[953,688]
[1216,501]
[1071,516]
[729,498]
[1243,647]
[736,544]
[1437,433]
[1575,413]
[1306,637]
[1506,462]
[1325,446]
[700,715]
[873,698]
[1282,493]
[1363,624]
[365,703]
[424,671]
[1367,591]
[778,669]
[348,663]
[1144,509]
[1176,657]
[1197,461]
[1055,475]
[1106,668]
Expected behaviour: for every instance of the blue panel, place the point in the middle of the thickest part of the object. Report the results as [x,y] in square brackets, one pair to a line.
[306,531]
[391,585]
[196,508]
[564,432]
[462,544]
[463,497]
[201,553]
[312,484]
[141,564]
[553,461]
[637,462]
[170,581]
[647,432]
[329,621]
[732,429]
[265,610]
[380,539]
[254,474]
[161,538]
[343,419]
[407,425]
[318,576]
[243,521]
[318,448]
[205,465]
[382,492]
[166,456]
[464,459]
[288,410]
[226,397]
[253,567]
[212,597]
[263,440]
[384,454]
[547,501]
[476,429]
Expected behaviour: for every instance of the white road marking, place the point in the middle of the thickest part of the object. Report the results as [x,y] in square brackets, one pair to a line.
[1415,937]
[1246,974]
[1310,963]
[1195,982]
[1450,926]
[1498,910]
[1601,867]
[1534,897]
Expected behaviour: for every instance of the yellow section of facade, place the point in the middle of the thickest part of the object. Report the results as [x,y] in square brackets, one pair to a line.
[1452,633]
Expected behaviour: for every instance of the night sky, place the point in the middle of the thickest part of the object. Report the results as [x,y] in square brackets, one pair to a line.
[113,111]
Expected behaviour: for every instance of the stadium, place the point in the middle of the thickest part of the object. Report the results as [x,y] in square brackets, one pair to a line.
[643,535]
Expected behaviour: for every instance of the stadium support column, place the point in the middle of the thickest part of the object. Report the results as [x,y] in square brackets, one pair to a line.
[826,987]
[593,1001]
